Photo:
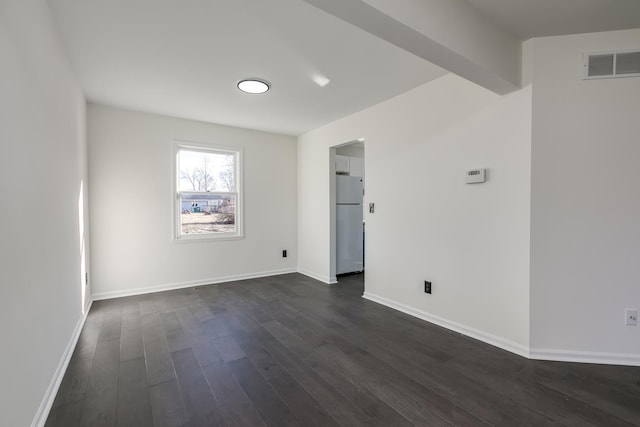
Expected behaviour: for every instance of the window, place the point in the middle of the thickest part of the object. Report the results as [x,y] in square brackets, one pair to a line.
[208,192]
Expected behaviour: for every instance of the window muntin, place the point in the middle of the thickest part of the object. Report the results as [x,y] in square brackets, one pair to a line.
[207,193]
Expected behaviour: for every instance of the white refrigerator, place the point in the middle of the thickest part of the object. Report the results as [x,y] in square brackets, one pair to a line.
[349,227]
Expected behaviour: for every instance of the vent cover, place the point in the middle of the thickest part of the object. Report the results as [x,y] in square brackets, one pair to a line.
[612,64]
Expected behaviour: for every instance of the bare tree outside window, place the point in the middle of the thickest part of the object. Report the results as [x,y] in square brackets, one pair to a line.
[206,172]
[199,177]
[226,174]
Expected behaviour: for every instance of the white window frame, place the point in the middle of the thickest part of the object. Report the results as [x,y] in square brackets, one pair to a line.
[178,237]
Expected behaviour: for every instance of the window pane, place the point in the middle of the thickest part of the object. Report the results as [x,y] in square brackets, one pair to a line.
[206,171]
[207,213]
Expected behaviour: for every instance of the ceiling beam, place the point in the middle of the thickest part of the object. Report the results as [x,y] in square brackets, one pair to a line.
[448,33]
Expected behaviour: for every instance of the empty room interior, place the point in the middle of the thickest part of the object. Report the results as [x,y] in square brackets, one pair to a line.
[320,213]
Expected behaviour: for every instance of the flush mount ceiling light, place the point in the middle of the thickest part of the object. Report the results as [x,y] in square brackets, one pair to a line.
[253,85]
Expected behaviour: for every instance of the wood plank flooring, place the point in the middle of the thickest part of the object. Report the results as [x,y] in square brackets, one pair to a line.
[290,351]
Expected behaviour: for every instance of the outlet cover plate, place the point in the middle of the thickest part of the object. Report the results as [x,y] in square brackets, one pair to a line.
[631,317]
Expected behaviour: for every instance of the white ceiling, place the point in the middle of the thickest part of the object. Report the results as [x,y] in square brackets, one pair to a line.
[539,18]
[184,58]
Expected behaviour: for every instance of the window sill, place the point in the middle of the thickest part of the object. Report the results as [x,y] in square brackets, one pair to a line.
[207,239]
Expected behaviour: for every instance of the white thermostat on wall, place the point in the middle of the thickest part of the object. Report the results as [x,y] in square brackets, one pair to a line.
[476,176]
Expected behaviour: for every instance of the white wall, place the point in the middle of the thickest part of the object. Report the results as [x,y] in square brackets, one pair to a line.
[471,241]
[130,163]
[41,169]
[585,213]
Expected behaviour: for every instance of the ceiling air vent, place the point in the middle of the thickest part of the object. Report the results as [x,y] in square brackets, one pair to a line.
[612,64]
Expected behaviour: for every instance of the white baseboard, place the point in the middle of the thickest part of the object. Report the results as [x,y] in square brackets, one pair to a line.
[519,349]
[488,338]
[586,357]
[170,286]
[325,279]
[47,401]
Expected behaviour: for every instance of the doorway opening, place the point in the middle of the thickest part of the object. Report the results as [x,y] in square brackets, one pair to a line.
[347,209]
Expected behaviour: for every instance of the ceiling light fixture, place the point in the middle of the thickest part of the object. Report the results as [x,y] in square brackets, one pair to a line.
[321,81]
[254,85]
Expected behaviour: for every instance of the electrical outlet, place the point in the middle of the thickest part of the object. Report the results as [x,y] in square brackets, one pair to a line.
[631,317]
[427,287]
[284,253]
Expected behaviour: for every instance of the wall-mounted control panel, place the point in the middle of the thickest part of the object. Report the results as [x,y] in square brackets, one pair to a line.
[476,176]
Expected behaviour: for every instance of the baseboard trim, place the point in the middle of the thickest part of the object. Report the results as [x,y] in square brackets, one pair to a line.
[494,340]
[586,357]
[324,279]
[47,401]
[171,286]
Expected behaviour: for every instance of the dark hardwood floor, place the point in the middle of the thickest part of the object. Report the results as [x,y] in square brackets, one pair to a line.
[288,350]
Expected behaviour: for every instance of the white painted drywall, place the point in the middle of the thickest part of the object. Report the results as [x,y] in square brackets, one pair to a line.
[585,210]
[471,241]
[130,163]
[42,166]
